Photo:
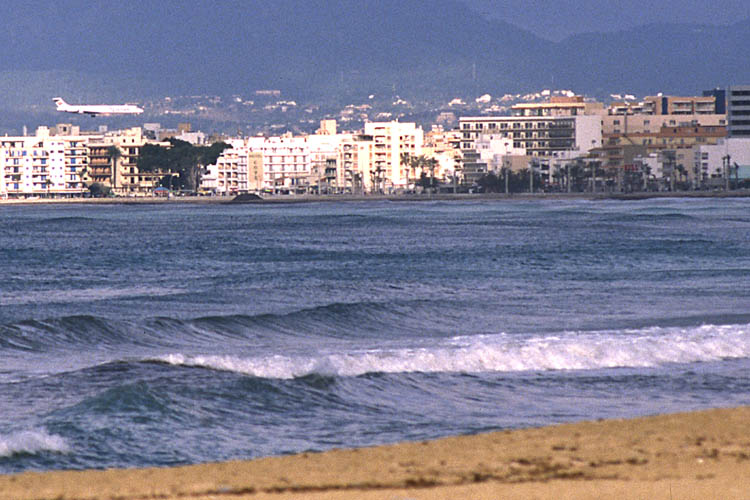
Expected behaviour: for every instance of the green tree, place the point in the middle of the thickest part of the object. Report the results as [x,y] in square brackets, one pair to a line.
[99,190]
[490,183]
[180,158]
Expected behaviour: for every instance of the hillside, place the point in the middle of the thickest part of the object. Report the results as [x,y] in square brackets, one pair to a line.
[319,48]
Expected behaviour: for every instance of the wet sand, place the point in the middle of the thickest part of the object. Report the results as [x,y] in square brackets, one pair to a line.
[694,455]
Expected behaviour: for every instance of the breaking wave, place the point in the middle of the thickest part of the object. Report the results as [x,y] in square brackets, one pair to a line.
[31,443]
[649,347]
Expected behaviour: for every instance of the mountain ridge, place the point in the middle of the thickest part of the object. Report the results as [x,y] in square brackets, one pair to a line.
[318,48]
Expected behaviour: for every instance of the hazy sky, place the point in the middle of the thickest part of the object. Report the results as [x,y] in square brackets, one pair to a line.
[556,19]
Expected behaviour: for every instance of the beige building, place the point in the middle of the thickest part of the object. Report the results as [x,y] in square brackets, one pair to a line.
[391,141]
[628,124]
[559,106]
[619,150]
[356,160]
[114,163]
[666,105]
[254,172]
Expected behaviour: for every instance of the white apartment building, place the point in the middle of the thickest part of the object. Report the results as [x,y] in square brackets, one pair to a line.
[323,163]
[287,161]
[229,174]
[237,170]
[391,140]
[280,164]
[731,152]
[3,189]
[356,158]
[494,148]
[539,136]
[42,164]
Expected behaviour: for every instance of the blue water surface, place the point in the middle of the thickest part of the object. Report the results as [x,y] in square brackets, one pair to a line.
[140,335]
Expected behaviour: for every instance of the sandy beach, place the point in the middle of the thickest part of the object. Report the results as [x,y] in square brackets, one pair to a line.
[704,454]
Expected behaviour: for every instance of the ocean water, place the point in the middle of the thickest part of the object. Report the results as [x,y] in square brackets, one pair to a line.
[138,336]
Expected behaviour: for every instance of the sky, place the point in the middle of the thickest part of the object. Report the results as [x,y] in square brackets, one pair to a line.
[556,19]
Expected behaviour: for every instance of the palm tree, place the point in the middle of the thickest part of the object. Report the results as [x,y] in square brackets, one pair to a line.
[432,164]
[82,173]
[114,154]
[407,161]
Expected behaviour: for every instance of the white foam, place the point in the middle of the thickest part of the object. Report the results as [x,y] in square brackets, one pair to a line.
[503,353]
[31,442]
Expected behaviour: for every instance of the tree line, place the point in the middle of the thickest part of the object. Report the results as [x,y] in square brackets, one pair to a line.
[183,163]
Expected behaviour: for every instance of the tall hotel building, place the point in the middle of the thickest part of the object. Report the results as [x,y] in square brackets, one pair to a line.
[738,110]
[540,136]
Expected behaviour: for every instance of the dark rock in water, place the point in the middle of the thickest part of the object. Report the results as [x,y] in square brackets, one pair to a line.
[247,198]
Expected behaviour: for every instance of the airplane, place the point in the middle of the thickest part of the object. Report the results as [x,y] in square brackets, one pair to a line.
[97,109]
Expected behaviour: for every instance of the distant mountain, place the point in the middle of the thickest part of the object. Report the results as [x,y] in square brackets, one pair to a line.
[674,58]
[140,48]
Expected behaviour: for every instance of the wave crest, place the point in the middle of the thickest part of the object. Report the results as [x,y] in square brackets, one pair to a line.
[501,353]
[31,443]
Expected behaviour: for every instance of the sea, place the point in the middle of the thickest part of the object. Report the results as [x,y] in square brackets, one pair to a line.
[163,335]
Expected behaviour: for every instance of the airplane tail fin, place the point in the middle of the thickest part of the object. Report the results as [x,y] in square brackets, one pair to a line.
[59,101]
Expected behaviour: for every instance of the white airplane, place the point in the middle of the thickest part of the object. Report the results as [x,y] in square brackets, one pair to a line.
[97,109]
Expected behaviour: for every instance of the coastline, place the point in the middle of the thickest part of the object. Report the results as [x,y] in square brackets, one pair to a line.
[701,454]
[294,199]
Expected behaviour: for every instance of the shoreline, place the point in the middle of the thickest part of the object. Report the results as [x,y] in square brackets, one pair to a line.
[295,199]
[700,454]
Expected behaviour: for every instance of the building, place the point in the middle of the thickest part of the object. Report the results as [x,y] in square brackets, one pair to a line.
[662,127]
[559,106]
[254,172]
[356,158]
[228,176]
[445,147]
[623,125]
[392,141]
[538,136]
[279,164]
[721,162]
[286,162]
[620,148]
[43,165]
[720,95]
[738,110]
[114,163]
[667,105]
